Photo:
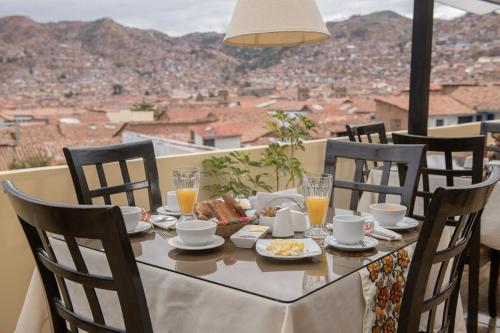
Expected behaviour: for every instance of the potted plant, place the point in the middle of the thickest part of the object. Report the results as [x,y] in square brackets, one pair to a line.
[242,176]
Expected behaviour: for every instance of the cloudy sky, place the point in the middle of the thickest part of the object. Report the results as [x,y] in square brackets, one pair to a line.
[177,17]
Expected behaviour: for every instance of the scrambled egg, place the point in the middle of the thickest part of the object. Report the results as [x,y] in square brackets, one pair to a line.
[258,228]
[285,247]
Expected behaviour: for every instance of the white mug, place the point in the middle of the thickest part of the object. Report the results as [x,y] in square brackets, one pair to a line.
[172,203]
[349,229]
[283,223]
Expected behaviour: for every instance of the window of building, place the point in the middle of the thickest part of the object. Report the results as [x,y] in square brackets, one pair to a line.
[21,119]
[209,142]
[490,116]
[479,117]
[439,122]
[465,119]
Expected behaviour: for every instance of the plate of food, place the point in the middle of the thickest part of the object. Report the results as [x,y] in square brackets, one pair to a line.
[288,249]
[226,212]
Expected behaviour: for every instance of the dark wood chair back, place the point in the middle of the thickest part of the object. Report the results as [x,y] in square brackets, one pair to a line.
[77,158]
[447,146]
[356,132]
[490,128]
[466,205]
[407,158]
[104,223]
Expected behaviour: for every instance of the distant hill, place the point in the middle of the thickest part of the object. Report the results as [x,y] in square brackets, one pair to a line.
[368,53]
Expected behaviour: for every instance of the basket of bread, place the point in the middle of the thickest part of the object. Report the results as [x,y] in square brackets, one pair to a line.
[226,212]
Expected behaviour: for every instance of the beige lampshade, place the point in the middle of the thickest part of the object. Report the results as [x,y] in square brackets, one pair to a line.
[275,23]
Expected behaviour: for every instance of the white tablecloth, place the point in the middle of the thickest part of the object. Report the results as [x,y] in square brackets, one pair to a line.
[178,303]
[490,221]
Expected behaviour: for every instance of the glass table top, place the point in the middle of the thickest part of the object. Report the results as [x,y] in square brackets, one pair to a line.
[245,270]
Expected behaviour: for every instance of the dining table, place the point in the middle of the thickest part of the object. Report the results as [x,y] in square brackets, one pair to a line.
[231,289]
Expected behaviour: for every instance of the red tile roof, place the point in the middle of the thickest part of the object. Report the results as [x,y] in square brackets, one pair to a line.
[219,130]
[439,105]
[480,98]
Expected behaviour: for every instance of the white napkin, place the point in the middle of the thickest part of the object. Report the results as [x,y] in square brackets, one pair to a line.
[263,199]
[381,232]
[385,234]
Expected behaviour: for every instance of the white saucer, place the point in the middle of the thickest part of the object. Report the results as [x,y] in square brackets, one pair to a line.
[142,226]
[177,243]
[162,221]
[405,223]
[164,211]
[368,241]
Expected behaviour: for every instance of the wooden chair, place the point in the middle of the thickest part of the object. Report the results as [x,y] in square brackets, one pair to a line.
[407,158]
[486,129]
[77,158]
[356,132]
[104,223]
[448,146]
[467,203]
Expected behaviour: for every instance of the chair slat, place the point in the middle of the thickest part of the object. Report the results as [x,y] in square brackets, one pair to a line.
[94,281]
[126,180]
[103,182]
[358,186]
[119,188]
[83,323]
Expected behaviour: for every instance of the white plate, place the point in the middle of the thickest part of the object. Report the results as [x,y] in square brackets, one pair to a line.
[405,223]
[142,226]
[164,211]
[369,243]
[311,249]
[162,221]
[177,243]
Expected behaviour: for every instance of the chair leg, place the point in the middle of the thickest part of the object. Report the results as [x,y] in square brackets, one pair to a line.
[473,288]
[492,290]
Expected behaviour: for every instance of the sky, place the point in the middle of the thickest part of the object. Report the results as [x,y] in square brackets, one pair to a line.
[178,17]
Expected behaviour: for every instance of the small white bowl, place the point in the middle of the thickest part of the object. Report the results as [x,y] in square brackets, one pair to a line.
[387,214]
[131,216]
[197,232]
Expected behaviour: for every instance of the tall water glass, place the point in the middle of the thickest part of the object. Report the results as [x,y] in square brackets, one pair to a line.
[187,184]
[317,191]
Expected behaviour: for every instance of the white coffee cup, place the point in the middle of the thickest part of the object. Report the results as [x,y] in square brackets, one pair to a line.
[131,216]
[196,232]
[172,203]
[349,229]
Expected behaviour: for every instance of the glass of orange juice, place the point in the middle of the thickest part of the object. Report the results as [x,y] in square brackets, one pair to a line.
[187,183]
[317,191]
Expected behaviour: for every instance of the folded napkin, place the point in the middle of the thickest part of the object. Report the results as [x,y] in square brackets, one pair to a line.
[380,232]
[263,199]
[385,234]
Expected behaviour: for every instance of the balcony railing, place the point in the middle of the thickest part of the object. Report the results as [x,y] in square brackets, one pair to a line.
[54,184]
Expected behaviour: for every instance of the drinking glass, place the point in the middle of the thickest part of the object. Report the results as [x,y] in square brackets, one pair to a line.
[317,191]
[187,183]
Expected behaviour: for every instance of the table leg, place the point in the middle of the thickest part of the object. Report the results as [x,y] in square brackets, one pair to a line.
[473,299]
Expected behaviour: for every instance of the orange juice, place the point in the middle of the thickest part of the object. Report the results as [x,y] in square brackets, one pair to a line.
[317,208]
[186,198]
